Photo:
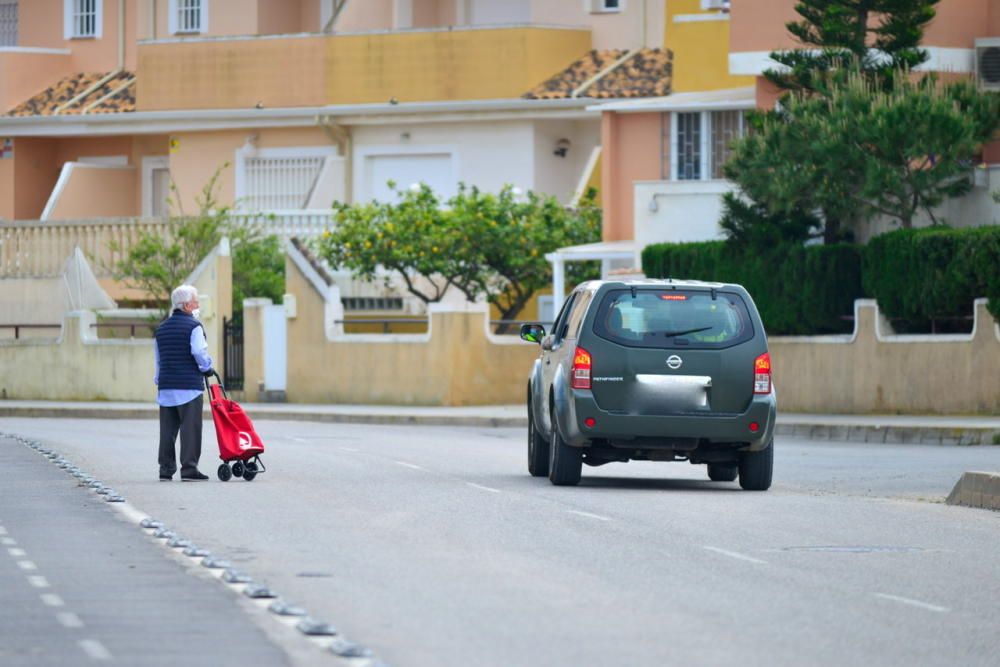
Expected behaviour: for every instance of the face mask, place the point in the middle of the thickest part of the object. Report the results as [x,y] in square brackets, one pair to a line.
[196,313]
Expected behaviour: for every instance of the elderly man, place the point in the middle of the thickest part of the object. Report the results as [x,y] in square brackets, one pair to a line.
[182,362]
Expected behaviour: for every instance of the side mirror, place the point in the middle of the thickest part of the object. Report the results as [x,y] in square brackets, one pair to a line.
[533,333]
[548,343]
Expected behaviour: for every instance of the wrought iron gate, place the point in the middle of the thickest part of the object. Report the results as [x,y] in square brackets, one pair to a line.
[232,353]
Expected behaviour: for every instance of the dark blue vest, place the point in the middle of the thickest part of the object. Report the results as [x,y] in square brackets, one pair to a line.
[178,368]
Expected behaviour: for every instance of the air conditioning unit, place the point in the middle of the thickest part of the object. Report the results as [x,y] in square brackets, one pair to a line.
[988,63]
[715,4]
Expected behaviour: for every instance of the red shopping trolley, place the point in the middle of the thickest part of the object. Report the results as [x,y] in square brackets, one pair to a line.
[239,445]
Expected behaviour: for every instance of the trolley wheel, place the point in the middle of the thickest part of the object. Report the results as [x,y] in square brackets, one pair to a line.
[238,469]
[250,471]
[225,472]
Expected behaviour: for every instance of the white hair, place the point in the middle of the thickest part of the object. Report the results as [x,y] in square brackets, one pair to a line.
[182,295]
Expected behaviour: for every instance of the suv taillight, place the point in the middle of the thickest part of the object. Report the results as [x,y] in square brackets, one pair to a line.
[581,369]
[762,374]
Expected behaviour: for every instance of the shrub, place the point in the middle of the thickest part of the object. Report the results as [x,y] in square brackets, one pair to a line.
[922,277]
[799,290]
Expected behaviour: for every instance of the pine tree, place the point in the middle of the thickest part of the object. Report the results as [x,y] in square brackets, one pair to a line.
[877,37]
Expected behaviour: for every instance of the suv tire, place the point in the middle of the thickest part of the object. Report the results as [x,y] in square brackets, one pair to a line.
[565,462]
[538,447]
[756,468]
[722,472]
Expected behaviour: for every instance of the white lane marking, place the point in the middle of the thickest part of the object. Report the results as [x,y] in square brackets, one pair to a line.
[38,581]
[410,465]
[8,541]
[913,603]
[131,513]
[95,649]
[69,619]
[3,531]
[483,488]
[17,552]
[52,600]
[292,437]
[589,515]
[26,565]
[733,554]
[349,449]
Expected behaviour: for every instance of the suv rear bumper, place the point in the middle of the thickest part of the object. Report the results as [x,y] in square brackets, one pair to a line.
[714,428]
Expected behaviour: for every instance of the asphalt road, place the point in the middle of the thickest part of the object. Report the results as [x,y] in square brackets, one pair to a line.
[433,546]
[81,586]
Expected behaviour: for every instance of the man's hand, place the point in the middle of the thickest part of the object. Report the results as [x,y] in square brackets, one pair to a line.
[209,373]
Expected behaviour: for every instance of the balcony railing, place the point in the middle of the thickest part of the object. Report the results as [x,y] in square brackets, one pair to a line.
[40,248]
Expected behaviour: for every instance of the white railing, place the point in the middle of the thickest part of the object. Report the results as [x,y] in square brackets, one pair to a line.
[40,248]
[302,223]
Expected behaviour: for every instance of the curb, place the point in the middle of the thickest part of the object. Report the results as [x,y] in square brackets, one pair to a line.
[895,435]
[951,435]
[977,489]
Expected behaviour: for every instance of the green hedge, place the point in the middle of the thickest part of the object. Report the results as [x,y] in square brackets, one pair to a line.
[799,290]
[917,276]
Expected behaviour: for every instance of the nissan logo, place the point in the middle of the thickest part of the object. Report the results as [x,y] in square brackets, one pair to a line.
[674,362]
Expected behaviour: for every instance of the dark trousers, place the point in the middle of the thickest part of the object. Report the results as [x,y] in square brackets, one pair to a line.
[186,419]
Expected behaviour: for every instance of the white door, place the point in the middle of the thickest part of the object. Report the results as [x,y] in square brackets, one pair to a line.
[434,169]
[275,348]
[161,192]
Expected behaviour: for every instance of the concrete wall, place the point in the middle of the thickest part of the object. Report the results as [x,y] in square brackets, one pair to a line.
[80,367]
[631,152]
[700,42]
[24,74]
[455,363]
[354,68]
[685,211]
[93,191]
[40,24]
[77,366]
[872,371]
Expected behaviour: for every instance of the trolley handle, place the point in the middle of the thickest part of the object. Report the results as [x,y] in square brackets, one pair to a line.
[218,381]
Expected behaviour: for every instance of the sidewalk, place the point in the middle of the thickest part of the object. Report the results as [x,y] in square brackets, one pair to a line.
[858,428]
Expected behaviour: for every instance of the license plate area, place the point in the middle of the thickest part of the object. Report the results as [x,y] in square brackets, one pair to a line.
[671,394]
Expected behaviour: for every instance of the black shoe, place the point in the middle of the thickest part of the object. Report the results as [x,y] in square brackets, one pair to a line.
[165,478]
[196,476]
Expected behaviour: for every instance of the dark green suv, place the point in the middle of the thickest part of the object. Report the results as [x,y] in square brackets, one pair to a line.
[653,370]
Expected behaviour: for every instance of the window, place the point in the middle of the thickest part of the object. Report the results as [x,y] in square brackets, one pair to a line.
[187,16]
[700,143]
[688,146]
[280,183]
[83,19]
[673,319]
[576,316]
[605,6]
[372,303]
[8,23]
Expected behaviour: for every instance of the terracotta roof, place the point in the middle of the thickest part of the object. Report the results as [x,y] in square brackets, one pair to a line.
[114,94]
[645,73]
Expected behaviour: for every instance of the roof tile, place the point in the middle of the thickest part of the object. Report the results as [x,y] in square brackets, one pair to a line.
[47,102]
[646,73]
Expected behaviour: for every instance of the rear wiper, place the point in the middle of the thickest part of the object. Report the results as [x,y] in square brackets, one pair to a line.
[670,334]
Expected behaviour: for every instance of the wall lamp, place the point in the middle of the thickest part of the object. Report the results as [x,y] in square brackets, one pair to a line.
[653,205]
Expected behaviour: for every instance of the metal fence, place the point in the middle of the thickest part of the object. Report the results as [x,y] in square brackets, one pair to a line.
[232,354]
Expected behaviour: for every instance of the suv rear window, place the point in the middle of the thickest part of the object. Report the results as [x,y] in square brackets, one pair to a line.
[673,318]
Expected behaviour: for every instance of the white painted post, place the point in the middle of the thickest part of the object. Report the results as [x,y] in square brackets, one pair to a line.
[558,283]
